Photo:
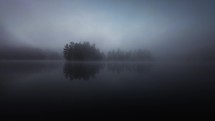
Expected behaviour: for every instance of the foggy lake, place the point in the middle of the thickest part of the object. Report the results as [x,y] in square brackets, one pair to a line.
[107,59]
[118,88]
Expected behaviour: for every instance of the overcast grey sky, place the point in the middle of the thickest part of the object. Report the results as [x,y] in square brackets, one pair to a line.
[157,25]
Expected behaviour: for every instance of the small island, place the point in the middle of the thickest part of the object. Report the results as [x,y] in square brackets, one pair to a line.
[84,51]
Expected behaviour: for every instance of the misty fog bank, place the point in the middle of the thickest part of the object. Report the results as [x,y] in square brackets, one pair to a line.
[177,30]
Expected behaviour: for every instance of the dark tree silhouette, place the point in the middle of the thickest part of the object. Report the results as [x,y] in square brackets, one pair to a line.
[66,52]
[82,52]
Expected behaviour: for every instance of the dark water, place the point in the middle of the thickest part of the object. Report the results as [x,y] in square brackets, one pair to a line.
[105,89]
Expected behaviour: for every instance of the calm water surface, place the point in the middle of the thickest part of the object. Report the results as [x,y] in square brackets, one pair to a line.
[111,88]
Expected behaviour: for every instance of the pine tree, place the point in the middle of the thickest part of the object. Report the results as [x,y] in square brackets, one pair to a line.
[66,52]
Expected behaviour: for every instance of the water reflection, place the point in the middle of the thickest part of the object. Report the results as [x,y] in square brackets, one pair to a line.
[21,69]
[81,71]
[131,67]
[87,71]
[42,86]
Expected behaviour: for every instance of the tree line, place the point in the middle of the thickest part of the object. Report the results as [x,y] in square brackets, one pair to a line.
[28,53]
[136,55]
[84,51]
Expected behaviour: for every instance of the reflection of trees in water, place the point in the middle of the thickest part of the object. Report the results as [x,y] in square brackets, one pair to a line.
[131,67]
[86,71]
[80,71]
[21,69]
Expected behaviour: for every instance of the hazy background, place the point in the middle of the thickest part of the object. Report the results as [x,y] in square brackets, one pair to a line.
[170,29]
